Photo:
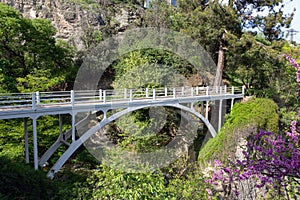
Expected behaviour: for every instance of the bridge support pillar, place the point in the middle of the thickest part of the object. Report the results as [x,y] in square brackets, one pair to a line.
[26,140]
[35,144]
[220,116]
[73,126]
[232,102]
[206,110]
[60,125]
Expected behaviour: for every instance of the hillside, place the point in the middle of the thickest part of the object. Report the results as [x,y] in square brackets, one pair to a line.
[76,21]
[44,44]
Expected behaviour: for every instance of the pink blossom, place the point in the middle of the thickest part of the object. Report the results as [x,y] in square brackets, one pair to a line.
[209,192]
[294,63]
[218,163]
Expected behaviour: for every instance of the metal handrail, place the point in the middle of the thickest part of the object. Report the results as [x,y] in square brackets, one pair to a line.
[104,96]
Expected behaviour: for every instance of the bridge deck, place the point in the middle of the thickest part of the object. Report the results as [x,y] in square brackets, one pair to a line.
[34,105]
[37,104]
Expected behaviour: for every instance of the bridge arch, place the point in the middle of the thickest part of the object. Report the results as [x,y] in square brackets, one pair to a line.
[76,144]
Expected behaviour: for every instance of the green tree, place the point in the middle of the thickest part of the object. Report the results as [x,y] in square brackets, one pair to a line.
[27,45]
[254,62]
[214,24]
[253,14]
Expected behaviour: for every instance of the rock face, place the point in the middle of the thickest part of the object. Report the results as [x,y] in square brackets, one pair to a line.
[73,19]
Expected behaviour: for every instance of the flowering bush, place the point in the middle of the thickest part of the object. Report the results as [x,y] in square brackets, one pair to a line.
[273,161]
[294,63]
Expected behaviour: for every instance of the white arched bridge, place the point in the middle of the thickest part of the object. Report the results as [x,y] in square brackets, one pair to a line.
[34,105]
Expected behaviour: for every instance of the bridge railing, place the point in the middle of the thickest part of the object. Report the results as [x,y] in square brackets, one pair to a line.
[57,97]
[15,100]
[19,100]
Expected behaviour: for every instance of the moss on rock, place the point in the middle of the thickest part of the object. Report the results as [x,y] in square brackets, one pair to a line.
[245,119]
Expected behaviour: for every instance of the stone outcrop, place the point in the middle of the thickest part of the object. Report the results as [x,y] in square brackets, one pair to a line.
[73,19]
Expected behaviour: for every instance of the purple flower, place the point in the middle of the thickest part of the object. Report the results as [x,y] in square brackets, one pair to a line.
[218,163]
[273,160]
[294,63]
[209,192]
[258,148]
[269,152]
[236,192]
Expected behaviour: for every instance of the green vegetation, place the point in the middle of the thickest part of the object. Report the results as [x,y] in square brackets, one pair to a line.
[244,120]
[19,181]
[102,182]
[31,59]
[30,55]
[107,183]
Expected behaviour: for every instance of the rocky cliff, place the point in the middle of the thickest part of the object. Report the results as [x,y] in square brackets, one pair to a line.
[75,19]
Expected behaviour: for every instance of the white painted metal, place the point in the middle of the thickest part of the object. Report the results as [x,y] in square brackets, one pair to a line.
[206,110]
[60,124]
[75,145]
[60,100]
[34,105]
[26,140]
[130,96]
[220,115]
[35,144]
[38,101]
[62,140]
[104,96]
[100,95]
[72,98]
[73,126]
[33,101]
[174,93]
[232,100]
[147,92]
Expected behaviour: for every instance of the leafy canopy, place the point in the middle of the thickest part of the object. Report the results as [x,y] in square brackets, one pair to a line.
[28,48]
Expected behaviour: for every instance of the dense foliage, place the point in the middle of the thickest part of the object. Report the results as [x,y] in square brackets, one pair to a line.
[19,181]
[31,59]
[81,180]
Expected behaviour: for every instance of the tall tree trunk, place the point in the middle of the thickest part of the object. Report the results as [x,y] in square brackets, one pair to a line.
[221,55]
[214,120]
